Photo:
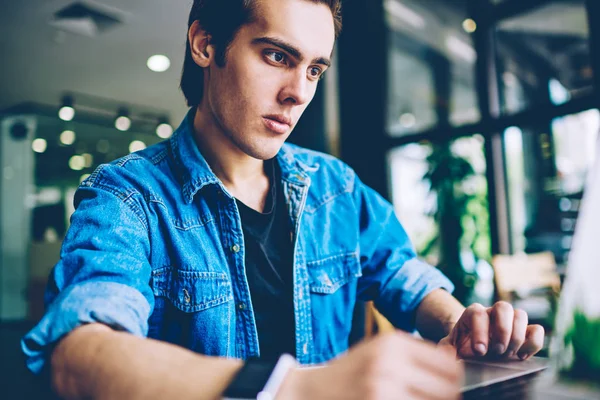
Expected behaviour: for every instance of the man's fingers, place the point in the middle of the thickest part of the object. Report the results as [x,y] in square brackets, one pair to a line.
[478,323]
[534,341]
[502,316]
[518,333]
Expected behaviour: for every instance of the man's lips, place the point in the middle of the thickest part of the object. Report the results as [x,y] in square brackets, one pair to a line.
[280,118]
[278,123]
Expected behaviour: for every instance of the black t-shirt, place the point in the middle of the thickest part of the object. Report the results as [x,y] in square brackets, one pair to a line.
[269,268]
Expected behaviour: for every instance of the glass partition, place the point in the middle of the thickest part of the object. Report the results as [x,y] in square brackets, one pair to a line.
[543,56]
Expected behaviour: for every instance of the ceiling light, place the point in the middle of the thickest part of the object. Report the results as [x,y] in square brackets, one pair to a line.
[158,63]
[77,163]
[123,123]
[66,112]
[67,138]
[469,25]
[136,145]
[39,145]
[164,130]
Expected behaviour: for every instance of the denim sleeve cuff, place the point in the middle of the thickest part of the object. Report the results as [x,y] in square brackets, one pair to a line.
[119,306]
[399,299]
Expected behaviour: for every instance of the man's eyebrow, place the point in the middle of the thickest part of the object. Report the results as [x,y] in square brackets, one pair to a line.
[294,52]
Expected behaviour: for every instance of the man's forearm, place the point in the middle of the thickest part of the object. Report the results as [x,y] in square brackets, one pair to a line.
[97,362]
[437,314]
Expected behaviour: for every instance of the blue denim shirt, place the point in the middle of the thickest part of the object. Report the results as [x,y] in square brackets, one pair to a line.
[156,248]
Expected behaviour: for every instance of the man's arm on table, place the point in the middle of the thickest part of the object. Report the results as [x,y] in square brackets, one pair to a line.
[97,362]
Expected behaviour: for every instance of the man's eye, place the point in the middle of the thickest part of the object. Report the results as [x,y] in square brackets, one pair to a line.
[276,57]
[315,72]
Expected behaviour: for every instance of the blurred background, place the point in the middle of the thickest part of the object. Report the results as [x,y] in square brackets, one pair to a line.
[477,119]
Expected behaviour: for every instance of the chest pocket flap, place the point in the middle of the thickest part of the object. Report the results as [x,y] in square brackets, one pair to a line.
[192,291]
[328,275]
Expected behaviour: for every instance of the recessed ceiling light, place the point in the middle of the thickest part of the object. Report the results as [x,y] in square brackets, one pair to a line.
[164,130]
[67,137]
[77,163]
[123,123]
[66,113]
[39,145]
[136,145]
[469,25]
[159,63]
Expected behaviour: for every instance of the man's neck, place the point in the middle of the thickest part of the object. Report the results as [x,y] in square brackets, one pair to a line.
[243,176]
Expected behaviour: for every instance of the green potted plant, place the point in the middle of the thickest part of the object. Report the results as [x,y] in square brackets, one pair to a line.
[461,217]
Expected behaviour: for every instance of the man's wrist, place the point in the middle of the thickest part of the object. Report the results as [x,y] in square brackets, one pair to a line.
[260,379]
[449,325]
[452,318]
[293,385]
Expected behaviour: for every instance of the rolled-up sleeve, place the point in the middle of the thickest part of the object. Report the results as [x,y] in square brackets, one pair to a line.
[103,275]
[392,275]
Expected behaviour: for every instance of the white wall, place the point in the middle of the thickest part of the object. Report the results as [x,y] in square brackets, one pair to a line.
[16,189]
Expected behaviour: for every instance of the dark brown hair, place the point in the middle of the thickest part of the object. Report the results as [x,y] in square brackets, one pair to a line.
[222,19]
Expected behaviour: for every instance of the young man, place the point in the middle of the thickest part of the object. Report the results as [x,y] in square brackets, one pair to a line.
[225,241]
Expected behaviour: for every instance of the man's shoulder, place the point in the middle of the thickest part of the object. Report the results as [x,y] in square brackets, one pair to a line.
[130,172]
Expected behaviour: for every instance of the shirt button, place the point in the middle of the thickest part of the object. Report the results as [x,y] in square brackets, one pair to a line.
[186,296]
[235,248]
[241,306]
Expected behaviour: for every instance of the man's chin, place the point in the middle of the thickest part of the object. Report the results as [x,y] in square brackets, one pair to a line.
[263,152]
[264,156]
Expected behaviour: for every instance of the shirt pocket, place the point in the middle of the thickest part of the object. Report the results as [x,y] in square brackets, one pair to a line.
[192,291]
[326,276]
[332,283]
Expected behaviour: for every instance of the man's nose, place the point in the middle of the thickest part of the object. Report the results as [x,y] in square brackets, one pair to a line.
[297,89]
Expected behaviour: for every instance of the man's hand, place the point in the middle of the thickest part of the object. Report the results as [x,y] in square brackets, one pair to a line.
[390,366]
[497,331]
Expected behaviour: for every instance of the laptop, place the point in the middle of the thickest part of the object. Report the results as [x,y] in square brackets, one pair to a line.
[504,380]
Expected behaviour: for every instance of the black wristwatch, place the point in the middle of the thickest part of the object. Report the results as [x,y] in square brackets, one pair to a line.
[259,379]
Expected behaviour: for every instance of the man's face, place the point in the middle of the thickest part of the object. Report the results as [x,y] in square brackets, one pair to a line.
[271,74]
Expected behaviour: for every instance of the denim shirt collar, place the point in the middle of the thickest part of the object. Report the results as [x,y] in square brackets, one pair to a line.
[194,172]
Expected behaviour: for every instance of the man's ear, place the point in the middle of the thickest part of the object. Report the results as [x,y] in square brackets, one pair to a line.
[202,50]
